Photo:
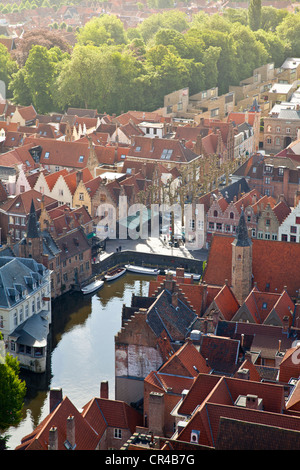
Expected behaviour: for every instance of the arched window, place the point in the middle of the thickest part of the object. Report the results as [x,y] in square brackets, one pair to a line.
[215,213]
[231,215]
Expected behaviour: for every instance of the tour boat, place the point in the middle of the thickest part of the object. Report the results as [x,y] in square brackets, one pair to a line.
[112,275]
[196,277]
[142,269]
[92,287]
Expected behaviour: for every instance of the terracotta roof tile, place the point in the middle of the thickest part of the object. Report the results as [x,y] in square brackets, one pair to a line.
[86,437]
[186,361]
[226,302]
[115,413]
[270,270]
[222,352]
[21,203]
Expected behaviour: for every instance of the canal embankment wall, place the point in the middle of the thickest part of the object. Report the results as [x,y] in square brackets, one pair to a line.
[153,260]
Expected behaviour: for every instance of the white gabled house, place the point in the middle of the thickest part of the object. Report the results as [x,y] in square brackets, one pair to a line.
[289,230]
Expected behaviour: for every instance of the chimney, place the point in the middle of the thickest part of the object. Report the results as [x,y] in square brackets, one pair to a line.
[156,413]
[215,315]
[252,402]
[53,439]
[104,389]
[55,398]
[285,323]
[71,430]
[169,283]
[180,275]
[175,299]
[78,177]
[243,374]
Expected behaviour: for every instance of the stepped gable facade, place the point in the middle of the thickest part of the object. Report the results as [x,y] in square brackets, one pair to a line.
[149,334]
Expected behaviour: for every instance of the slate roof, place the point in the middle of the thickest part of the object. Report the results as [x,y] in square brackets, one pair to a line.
[242,237]
[33,332]
[16,276]
[234,189]
[162,315]
[236,434]
[32,228]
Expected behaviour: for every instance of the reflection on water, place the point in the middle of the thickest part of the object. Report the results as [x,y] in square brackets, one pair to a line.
[82,344]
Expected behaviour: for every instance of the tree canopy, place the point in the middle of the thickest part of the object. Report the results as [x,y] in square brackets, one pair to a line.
[113,69]
[12,392]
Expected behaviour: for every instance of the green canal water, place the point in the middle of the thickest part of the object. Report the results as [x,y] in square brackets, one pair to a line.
[82,350]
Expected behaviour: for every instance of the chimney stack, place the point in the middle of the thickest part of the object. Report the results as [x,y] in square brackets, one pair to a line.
[104,389]
[175,299]
[252,402]
[71,430]
[53,439]
[55,398]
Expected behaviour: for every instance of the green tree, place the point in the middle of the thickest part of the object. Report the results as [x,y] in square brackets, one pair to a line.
[274,46]
[289,31]
[272,17]
[106,29]
[254,14]
[98,77]
[250,53]
[19,89]
[236,15]
[210,60]
[226,65]
[12,392]
[171,37]
[39,78]
[173,19]
[7,66]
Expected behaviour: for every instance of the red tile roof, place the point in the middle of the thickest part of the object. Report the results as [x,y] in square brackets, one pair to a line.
[226,302]
[273,264]
[114,413]
[21,203]
[290,365]
[85,436]
[187,361]
[27,112]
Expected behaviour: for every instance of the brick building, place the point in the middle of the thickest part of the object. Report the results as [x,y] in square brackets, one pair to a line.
[280,130]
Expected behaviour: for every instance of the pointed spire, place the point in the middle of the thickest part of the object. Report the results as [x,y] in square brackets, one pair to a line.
[32,226]
[242,238]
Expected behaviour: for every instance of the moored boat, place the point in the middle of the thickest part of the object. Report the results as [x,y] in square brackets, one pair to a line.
[92,287]
[112,275]
[196,277]
[141,269]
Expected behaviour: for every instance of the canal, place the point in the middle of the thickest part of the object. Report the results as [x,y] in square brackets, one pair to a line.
[82,350]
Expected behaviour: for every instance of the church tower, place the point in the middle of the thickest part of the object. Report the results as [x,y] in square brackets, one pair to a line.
[32,246]
[241,268]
